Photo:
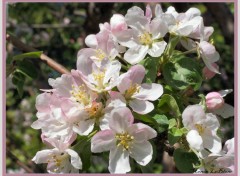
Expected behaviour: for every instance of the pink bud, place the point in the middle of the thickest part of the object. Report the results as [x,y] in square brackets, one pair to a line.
[208,74]
[214,100]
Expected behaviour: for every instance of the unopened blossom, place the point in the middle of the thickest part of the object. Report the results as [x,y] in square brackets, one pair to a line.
[208,74]
[60,159]
[214,100]
[124,139]
[139,95]
[202,129]
[144,37]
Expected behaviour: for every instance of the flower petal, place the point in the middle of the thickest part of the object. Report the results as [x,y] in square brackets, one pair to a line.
[212,142]
[118,161]
[141,106]
[157,49]
[42,156]
[136,54]
[91,41]
[75,159]
[121,119]
[158,28]
[142,152]
[149,92]
[195,140]
[103,141]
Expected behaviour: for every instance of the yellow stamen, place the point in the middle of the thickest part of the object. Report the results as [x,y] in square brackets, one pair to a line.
[100,54]
[80,94]
[145,38]
[134,88]
[124,140]
[200,128]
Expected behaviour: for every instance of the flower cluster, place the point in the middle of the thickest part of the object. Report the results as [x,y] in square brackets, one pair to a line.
[113,90]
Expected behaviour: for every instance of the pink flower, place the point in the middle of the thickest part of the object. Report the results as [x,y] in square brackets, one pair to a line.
[214,100]
[208,74]
[60,159]
[124,139]
[137,94]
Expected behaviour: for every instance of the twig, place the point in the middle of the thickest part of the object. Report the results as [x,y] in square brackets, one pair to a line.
[21,164]
[53,64]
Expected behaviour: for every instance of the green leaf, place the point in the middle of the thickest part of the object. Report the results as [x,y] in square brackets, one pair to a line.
[162,122]
[172,123]
[174,134]
[83,148]
[167,104]
[182,73]
[173,41]
[185,160]
[27,68]
[18,80]
[9,69]
[20,57]
[151,66]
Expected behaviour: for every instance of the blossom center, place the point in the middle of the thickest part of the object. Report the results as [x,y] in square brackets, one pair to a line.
[95,111]
[124,140]
[200,128]
[134,88]
[145,38]
[57,160]
[100,54]
[99,77]
[80,94]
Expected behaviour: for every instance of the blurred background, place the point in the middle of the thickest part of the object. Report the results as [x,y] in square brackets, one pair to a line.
[59,29]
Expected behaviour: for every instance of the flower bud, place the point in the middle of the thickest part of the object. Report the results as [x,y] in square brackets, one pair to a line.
[208,74]
[214,100]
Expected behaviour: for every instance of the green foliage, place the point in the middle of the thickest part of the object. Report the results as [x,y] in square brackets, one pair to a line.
[183,73]
[151,66]
[184,160]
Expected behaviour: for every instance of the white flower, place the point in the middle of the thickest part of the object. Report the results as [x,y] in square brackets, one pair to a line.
[145,37]
[61,159]
[136,93]
[124,139]
[202,129]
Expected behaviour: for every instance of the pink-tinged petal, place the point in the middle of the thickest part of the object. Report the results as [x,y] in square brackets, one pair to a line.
[91,41]
[42,156]
[208,74]
[211,122]
[136,74]
[83,127]
[158,28]
[171,10]
[229,147]
[142,152]
[212,143]
[157,49]
[136,54]
[121,119]
[158,10]
[38,124]
[195,140]
[103,141]
[141,132]
[119,161]
[75,159]
[116,100]
[184,30]
[192,115]
[118,23]
[124,82]
[42,102]
[84,63]
[225,161]
[209,51]
[214,100]
[141,106]
[209,65]
[207,32]
[104,123]
[148,12]
[62,85]
[149,92]
[125,38]
[225,111]
[192,12]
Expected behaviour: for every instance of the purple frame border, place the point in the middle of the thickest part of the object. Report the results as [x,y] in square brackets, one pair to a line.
[82,1]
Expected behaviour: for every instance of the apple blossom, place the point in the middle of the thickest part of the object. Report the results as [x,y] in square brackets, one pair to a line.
[60,159]
[124,139]
[214,100]
[202,129]
[137,94]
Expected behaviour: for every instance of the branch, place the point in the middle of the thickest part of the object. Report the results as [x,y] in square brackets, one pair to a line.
[21,164]
[50,62]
